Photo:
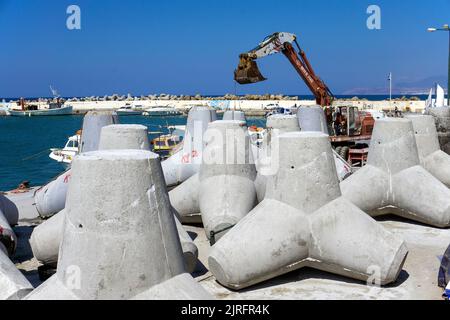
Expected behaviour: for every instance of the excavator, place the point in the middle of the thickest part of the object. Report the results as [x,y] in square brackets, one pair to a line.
[346,123]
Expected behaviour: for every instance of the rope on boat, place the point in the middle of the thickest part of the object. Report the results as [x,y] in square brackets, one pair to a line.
[35,155]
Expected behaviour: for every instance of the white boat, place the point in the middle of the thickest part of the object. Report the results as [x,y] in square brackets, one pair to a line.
[162,112]
[276,109]
[56,107]
[70,150]
[129,110]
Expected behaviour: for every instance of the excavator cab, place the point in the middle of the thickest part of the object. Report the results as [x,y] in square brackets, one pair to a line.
[352,123]
[247,71]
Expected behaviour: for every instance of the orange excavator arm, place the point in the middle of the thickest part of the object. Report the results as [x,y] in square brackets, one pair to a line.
[248,71]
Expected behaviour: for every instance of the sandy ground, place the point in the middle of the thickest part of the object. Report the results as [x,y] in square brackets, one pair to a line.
[417,281]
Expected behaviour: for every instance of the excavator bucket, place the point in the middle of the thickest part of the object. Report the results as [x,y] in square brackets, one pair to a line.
[247,72]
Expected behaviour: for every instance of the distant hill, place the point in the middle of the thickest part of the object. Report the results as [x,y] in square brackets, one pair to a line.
[415,87]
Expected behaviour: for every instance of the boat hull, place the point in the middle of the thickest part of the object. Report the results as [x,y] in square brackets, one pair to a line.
[47,112]
[163,113]
[129,113]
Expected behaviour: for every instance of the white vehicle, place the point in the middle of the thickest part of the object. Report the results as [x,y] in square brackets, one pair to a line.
[70,150]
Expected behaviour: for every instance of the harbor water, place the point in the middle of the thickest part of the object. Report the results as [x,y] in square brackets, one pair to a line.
[25,144]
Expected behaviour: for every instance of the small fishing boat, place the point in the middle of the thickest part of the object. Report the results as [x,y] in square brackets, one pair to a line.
[162,112]
[165,145]
[129,110]
[70,150]
[54,109]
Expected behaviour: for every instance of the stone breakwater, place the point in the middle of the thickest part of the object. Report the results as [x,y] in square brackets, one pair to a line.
[248,103]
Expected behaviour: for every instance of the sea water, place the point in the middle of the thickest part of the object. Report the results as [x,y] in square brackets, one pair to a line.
[25,144]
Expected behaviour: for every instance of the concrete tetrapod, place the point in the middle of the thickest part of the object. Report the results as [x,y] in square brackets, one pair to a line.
[432,158]
[93,123]
[124,136]
[8,238]
[51,198]
[312,119]
[133,136]
[13,284]
[393,181]
[304,221]
[276,125]
[186,162]
[9,210]
[46,238]
[223,191]
[21,206]
[234,115]
[441,116]
[184,199]
[227,191]
[120,240]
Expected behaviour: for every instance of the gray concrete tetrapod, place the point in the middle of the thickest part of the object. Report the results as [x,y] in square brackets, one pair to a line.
[441,116]
[133,136]
[186,162]
[184,198]
[21,206]
[51,198]
[120,240]
[9,210]
[124,136]
[13,284]
[276,125]
[432,158]
[304,221]
[283,123]
[227,191]
[8,238]
[312,119]
[393,181]
[93,123]
[234,115]
[46,238]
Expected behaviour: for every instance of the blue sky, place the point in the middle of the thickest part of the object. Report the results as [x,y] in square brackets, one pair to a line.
[189,47]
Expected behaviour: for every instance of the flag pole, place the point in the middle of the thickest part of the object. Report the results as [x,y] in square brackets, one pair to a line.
[390,88]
